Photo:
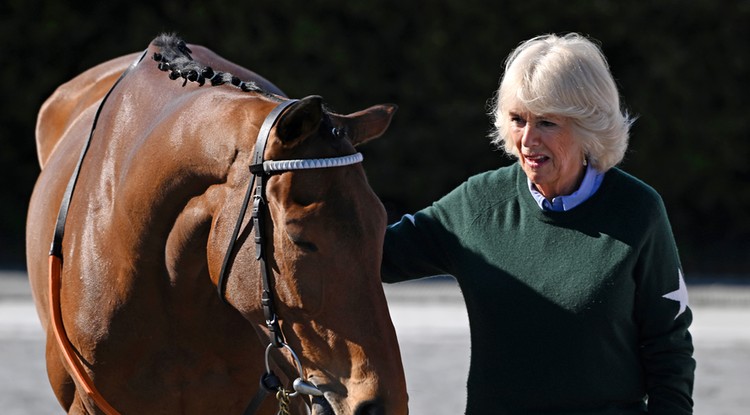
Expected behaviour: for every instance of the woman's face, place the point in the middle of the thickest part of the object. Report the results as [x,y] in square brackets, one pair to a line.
[549,154]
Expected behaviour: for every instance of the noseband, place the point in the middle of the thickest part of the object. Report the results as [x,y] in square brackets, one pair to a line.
[261,170]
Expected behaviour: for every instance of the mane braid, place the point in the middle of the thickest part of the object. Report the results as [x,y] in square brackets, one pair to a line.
[175,57]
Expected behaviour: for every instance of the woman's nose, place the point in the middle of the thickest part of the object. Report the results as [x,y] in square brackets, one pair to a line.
[530,137]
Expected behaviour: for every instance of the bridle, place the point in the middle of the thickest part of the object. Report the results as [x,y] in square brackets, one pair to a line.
[261,171]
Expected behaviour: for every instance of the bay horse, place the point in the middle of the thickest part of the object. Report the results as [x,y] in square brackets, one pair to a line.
[153,218]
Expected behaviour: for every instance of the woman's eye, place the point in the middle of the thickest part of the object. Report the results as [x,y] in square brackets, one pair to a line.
[515,119]
[545,123]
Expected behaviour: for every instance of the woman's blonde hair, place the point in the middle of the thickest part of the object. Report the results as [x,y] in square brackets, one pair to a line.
[565,76]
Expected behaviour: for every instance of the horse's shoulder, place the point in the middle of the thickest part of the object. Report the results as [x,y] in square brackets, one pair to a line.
[71,100]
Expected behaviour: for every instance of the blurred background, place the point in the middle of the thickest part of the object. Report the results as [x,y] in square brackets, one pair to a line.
[682,68]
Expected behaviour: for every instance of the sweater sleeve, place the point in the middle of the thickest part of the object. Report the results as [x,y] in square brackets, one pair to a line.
[411,250]
[425,244]
[663,317]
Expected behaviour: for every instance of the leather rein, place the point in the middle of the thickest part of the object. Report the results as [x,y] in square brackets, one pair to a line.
[261,170]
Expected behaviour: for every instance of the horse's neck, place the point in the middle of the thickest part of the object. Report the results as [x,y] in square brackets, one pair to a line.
[164,169]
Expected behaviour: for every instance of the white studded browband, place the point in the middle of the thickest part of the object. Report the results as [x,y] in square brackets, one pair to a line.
[273,166]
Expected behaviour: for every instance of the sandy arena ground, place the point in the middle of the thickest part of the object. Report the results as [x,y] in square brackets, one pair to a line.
[433,332]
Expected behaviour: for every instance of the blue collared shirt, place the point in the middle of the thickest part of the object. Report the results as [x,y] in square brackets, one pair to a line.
[590,184]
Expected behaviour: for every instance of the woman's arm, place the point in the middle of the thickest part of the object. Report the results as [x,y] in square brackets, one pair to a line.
[663,316]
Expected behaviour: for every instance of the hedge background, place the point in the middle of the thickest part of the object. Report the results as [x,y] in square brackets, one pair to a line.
[682,67]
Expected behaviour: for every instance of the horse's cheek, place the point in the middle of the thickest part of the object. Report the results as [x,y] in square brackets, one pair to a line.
[303,293]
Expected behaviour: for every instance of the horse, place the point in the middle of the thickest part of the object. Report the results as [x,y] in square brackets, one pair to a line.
[152,213]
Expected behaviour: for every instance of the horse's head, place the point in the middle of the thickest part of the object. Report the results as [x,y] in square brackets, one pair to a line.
[324,232]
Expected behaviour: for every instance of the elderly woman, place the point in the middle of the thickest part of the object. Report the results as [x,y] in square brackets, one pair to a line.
[567,264]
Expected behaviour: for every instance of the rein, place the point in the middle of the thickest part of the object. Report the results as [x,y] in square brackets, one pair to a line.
[55,270]
[261,170]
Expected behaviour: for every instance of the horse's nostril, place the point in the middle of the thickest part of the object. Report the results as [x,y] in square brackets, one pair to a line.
[370,408]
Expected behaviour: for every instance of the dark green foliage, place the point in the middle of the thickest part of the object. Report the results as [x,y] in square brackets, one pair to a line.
[682,68]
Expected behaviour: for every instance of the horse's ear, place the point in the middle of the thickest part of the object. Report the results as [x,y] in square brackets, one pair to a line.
[300,120]
[365,125]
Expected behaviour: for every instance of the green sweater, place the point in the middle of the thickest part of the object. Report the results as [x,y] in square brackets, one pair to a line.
[574,312]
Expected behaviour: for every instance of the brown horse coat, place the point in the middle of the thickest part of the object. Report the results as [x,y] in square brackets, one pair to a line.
[153,210]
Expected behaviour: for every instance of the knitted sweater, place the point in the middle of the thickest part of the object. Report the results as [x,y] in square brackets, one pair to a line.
[578,312]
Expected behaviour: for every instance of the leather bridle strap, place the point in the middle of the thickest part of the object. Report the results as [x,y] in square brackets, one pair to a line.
[55,271]
[260,148]
[258,175]
[56,248]
[259,210]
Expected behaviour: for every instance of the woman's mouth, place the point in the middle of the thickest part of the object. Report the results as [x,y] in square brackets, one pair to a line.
[535,160]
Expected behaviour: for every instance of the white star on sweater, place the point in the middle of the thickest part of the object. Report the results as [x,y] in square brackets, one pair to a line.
[680,295]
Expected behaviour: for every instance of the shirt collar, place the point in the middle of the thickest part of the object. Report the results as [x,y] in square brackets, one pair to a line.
[589,185]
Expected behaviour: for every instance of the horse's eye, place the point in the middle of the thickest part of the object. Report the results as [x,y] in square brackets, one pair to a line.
[302,243]
[338,132]
[306,246]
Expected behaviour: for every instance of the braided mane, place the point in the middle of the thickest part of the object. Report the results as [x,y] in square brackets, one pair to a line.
[175,58]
